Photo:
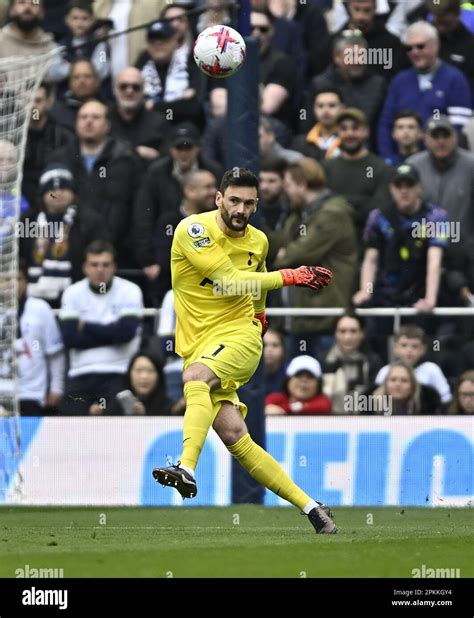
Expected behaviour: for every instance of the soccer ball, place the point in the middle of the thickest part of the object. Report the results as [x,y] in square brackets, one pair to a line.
[219,51]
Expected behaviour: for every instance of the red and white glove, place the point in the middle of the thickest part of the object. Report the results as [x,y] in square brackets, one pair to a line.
[314,277]
[263,321]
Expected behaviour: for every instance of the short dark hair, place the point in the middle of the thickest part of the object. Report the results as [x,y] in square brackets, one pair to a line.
[273,164]
[351,314]
[410,331]
[328,90]
[106,107]
[48,87]
[408,113]
[238,177]
[172,5]
[82,5]
[99,246]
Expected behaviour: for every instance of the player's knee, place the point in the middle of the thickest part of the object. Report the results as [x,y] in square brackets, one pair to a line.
[232,433]
[198,372]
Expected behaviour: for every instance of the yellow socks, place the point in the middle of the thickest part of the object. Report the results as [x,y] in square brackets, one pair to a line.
[197,421]
[267,471]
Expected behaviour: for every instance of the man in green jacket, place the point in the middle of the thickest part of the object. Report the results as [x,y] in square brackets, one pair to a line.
[320,230]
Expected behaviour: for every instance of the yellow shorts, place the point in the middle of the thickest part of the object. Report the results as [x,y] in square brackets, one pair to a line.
[233,355]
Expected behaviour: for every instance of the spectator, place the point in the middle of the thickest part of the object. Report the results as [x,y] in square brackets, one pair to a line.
[429,88]
[199,195]
[144,388]
[407,134]
[173,83]
[463,395]
[402,267]
[55,254]
[349,368]
[130,120]
[44,136]
[276,207]
[177,17]
[106,172]
[358,87]
[84,86]
[274,360]
[81,43]
[277,71]
[100,320]
[268,144]
[385,48]
[23,36]
[456,41]
[322,141]
[126,48]
[410,348]
[301,391]
[359,175]
[406,396]
[290,32]
[447,175]
[162,190]
[320,230]
[38,352]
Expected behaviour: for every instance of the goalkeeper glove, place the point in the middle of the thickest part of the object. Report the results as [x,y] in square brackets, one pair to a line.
[314,277]
[263,321]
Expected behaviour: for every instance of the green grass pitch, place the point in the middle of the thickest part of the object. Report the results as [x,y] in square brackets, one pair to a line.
[236,541]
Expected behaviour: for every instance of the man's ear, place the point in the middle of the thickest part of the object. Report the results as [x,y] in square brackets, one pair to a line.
[219,199]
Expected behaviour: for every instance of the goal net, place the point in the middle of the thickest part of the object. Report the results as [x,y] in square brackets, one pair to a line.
[20,76]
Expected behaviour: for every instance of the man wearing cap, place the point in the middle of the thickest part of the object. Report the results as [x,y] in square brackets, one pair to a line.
[404,247]
[302,390]
[359,175]
[447,174]
[429,88]
[162,190]
[173,83]
[447,179]
[54,253]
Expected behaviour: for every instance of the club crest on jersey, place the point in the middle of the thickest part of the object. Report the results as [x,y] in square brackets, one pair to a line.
[195,230]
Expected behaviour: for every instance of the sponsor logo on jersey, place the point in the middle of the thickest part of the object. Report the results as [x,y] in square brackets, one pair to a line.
[195,230]
[204,242]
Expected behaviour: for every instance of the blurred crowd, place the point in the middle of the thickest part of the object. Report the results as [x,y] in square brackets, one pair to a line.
[366,155]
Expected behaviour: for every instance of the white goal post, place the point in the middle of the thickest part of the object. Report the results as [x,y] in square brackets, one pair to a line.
[20,77]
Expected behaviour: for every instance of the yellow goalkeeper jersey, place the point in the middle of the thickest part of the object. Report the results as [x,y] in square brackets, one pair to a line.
[204,306]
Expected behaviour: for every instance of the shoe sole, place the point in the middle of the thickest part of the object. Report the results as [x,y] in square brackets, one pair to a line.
[169,479]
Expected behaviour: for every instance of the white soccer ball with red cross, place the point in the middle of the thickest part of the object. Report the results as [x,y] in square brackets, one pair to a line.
[219,51]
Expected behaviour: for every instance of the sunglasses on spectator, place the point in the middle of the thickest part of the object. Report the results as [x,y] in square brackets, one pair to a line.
[418,46]
[125,85]
[263,29]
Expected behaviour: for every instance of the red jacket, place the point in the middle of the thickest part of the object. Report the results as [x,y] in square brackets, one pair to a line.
[319,404]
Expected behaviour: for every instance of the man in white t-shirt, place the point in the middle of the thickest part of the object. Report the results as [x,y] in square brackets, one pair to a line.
[409,347]
[100,321]
[39,353]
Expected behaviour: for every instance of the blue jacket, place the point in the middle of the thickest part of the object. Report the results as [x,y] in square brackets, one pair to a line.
[450,94]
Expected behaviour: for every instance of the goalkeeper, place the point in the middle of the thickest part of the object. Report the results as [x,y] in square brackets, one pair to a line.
[220,285]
